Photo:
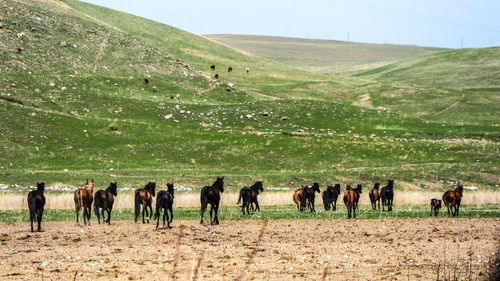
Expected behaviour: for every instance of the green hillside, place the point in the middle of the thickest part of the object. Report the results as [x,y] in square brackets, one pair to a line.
[83,111]
[322,56]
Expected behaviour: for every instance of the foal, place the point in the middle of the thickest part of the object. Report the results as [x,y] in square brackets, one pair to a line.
[249,196]
[36,202]
[452,198]
[104,199]
[165,201]
[211,195]
[83,198]
[144,197]
[435,206]
[375,196]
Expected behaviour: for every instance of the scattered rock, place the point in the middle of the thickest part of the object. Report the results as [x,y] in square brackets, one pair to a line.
[265,113]
[182,111]
[63,44]
[1,25]
[33,29]
[154,89]
[63,88]
[168,116]
[19,35]
[146,81]
[248,116]
[52,84]
[19,50]
[284,118]
[229,90]
[120,110]
[208,114]
[230,85]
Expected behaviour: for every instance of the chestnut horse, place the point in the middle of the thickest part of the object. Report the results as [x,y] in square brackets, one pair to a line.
[300,199]
[375,196]
[144,197]
[452,198]
[36,202]
[330,196]
[83,199]
[211,195]
[350,197]
[165,201]
[104,199]
[249,196]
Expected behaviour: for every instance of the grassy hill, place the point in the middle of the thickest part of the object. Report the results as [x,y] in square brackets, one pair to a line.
[322,56]
[83,111]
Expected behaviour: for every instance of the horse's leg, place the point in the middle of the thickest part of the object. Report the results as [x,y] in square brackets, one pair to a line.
[109,215]
[143,210]
[77,216]
[457,206]
[211,210]
[257,207]
[202,211]
[216,213]
[103,216]
[39,219]
[150,212]
[171,215]
[165,215]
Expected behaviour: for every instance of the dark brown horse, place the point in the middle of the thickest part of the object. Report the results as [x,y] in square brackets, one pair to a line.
[249,196]
[435,206]
[387,195]
[374,195]
[36,202]
[299,198]
[330,196]
[211,195]
[104,199]
[310,195]
[350,197]
[358,191]
[165,201]
[83,199]
[452,198]
[144,197]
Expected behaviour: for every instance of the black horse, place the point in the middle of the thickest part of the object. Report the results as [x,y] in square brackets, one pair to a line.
[330,196]
[211,195]
[249,196]
[165,201]
[36,202]
[104,199]
[310,195]
[358,191]
[229,69]
[388,195]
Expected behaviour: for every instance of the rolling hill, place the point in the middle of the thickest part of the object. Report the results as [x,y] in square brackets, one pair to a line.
[74,104]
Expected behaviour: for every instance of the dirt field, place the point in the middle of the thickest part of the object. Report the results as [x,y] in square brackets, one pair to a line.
[390,249]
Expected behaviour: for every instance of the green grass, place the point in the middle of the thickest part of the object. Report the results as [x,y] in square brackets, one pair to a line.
[273,212]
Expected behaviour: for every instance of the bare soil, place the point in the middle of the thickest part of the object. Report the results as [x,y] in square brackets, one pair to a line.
[389,249]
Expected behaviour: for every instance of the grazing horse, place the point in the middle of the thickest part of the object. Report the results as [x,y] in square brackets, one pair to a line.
[212,67]
[211,195]
[299,198]
[83,199]
[350,200]
[36,202]
[165,201]
[358,191]
[375,196]
[452,198]
[310,195]
[144,196]
[249,196]
[330,196]
[435,206]
[229,69]
[388,196]
[104,199]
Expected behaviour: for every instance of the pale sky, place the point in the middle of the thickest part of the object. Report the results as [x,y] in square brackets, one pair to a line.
[440,23]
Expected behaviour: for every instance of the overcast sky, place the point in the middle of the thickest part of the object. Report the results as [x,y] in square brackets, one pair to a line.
[441,23]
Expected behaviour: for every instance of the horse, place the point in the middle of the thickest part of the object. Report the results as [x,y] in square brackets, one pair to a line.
[104,199]
[211,195]
[358,191]
[165,201]
[374,195]
[229,69]
[350,200]
[388,196]
[435,206]
[83,199]
[330,196]
[212,67]
[452,198]
[249,196]
[300,199]
[310,195]
[216,76]
[36,202]
[144,196]
[146,81]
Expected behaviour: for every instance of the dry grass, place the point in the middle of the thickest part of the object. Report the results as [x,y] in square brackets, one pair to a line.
[122,201]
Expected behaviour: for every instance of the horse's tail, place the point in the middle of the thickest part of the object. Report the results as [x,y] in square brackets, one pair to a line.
[137,201]
[78,201]
[158,206]
[239,198]
[32,206]
[97,203]
[372,197]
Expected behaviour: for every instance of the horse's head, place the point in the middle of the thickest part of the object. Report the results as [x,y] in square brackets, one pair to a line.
[113,188]
[460,188]
[359,189]
[348,187]
[315,187]
[336,188]
[219,183]
[170,188]
[40,186]
[376,186]
[89,185]
[390,183]
[258,186]
[151,186]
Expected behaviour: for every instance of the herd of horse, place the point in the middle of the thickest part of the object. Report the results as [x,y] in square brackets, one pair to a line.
[303,197]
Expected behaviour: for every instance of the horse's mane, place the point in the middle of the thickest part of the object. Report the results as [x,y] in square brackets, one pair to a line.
[170,188]
[89,185]
[112,188]
[376,186]
[257,185]
[459,189]
[348,187]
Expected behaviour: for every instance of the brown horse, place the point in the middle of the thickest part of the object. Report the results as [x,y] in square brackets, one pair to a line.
[350,197]
[452,198]
[211,195]
[358,191]
[104,199]
[299,198]
[144,197]
[310,195]
[249,196]
[36,202]
[83,199]
[330,196]
[374,195]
